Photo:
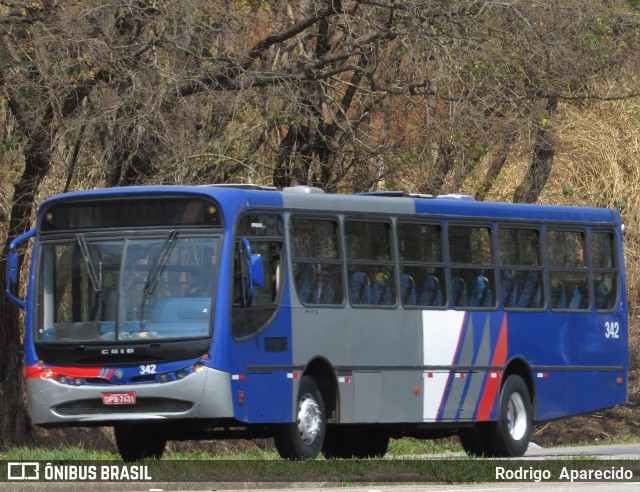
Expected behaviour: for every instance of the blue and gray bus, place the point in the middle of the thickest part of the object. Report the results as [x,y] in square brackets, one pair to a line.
[331,323]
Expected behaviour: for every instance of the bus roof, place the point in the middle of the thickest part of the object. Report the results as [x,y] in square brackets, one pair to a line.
[363,203]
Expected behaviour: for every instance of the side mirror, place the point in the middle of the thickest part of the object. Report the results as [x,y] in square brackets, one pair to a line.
[13,268]
[256,269]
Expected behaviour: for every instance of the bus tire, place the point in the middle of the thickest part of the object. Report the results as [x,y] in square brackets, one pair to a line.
[512,431]
[344,441]
[303,439]
[139,442]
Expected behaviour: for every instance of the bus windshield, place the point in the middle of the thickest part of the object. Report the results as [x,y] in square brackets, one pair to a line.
[94,289]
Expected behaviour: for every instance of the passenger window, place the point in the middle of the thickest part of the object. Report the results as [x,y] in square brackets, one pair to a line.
[605,273]
[568,276]
[317,265]
[521,271]
[264,232]
[472,271]
[370,269]
[422,272]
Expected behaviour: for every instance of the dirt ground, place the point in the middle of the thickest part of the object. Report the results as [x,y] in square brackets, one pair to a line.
[617,423]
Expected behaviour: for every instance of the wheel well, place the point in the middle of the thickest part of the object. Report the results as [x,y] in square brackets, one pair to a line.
[324,374]
[522,369]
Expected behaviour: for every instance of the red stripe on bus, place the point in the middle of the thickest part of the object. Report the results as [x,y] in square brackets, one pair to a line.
[71,372]
[493,383]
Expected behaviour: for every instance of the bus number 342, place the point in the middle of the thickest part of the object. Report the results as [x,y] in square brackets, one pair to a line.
[611,329]
[151,368]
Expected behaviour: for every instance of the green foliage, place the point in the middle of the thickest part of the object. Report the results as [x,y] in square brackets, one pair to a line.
[634,5]
[410,446]
[62,453]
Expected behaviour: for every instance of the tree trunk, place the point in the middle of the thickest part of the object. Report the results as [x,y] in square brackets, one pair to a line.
[543,151]
[438,173]
[495,168]
[15,424]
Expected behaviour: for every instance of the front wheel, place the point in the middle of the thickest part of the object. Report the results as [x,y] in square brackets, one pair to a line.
[303,438]
[139,442]
[512,431]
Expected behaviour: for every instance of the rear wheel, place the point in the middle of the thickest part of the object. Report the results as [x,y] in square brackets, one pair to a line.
[303,438]
[139,442]
[512,431]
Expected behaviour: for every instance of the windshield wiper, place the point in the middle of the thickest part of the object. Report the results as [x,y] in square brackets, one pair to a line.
[96,279]
[153,277]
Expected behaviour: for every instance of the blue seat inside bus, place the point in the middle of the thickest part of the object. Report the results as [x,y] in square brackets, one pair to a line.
[408,293]
[305,292]
[482,296]
[325,292]
[531,293]
[317,286]
[576,299]
[459,291]
[558,294]
[604,299]
[382,294]
[360,289]
[509,288]
[430,292]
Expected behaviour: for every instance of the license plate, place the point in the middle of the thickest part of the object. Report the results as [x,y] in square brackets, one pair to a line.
[128,398]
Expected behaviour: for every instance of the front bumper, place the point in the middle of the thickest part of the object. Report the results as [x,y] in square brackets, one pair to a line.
[206,394]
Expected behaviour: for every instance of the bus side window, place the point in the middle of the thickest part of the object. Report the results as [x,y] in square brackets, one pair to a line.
[605,272]
[472,269]
[370,263]
[264,233]
[316,260]
[521,268]
[568,274]
[422,281]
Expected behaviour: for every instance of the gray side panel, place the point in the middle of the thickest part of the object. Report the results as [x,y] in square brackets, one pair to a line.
[366,345]
[401,396]
[348,203]
[370,337]
[368,390]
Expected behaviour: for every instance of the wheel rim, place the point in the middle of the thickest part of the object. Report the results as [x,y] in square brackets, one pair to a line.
[517,421]
[309,420]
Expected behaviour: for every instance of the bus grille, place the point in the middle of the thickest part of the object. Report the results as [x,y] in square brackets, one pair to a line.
[142,405]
